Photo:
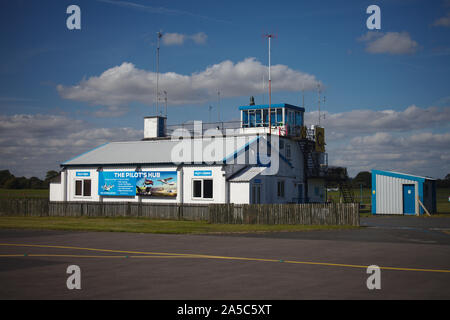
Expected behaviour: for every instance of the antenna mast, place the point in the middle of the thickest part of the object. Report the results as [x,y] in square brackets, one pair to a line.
[218,105]
[269,37]
[318,91]
[165,100]
[159,33]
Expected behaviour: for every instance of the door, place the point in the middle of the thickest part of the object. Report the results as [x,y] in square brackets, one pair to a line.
[300,194]
[409,199]
[256,193]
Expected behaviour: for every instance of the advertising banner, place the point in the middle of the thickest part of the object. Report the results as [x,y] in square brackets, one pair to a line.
[143,183]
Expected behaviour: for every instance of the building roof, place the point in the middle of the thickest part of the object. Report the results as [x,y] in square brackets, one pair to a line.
[160,151]
[401,175]
[266,106]
[247,174]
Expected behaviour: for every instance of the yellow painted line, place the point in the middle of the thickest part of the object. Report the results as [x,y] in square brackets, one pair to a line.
[80,256]
[188,255]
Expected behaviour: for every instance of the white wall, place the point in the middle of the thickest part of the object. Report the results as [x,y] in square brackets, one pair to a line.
[56,191]
[389,194]
[240,192]
[220,191]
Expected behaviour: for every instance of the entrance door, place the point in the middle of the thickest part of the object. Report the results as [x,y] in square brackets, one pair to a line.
[409,199]
[256,193]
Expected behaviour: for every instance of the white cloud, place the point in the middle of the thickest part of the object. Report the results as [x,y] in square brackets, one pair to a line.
[421,153]
[199,38]
[403,140]
[31,145]
[170,39]
[121,85]
[443,22]
[346,124]
[174,39]
[389,42]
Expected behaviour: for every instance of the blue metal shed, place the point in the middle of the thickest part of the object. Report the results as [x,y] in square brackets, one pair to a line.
[400,193]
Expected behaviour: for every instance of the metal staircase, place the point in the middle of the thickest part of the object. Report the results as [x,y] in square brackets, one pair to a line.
[346,192]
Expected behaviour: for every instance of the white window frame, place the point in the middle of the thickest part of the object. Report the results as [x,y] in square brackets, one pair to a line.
[203,189]
[82,189]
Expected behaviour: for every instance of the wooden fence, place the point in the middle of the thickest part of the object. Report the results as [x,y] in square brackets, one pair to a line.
[306,214]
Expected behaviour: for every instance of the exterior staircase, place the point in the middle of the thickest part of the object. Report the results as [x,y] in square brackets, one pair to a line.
[346,192]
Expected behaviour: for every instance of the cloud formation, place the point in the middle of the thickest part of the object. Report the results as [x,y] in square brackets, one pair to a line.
[403,140]
[395,43]
[31,145]
[370,121]
[443,22]
[173,39]
[121,85]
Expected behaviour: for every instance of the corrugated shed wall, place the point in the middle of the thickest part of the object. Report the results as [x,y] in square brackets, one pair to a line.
[389,194]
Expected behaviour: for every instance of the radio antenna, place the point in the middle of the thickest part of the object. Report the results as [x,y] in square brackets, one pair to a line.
[159,34]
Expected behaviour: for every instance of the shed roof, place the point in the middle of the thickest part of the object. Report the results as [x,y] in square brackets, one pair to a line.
[401,175]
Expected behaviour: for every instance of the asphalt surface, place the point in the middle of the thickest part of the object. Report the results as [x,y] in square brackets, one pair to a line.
[413,254]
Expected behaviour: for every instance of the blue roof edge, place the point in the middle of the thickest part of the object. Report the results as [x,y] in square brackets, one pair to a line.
[277,105]
[98,147]
[401,175]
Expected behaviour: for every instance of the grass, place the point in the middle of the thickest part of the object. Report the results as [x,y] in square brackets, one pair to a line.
[24,193]
[145,225]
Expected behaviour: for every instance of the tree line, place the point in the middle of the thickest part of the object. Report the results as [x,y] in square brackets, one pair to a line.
[9,181]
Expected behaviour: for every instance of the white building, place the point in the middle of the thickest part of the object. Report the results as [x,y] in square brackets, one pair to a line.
[243,162]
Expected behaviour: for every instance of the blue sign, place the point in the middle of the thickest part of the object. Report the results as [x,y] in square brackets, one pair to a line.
[83,174]
[202,173]
[143,183]
[257,181]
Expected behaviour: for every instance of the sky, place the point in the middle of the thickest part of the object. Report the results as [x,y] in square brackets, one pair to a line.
[386,91]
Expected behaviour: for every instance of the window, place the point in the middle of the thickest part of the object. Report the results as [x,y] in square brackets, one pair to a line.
[207,189]
[288,151]
[279,117]
[197,190]
[281,189]
[202,189]
[87,188]
[79,187]
[245,118]
[83,188]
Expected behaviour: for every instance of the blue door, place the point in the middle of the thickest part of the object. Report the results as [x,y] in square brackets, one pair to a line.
[409,202]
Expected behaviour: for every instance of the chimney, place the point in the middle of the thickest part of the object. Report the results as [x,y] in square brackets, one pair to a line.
[154,127]
[252,100]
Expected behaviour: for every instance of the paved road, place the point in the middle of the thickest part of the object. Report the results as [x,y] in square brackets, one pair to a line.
[291,265]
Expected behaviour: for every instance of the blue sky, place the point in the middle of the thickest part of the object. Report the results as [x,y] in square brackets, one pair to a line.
[52,92]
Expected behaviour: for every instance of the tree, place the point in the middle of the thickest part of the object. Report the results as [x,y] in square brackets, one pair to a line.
[363,178]
[50,175]
[5,175]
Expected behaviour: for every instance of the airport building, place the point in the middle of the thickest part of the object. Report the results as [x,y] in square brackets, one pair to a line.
[259,159]
[400,193]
